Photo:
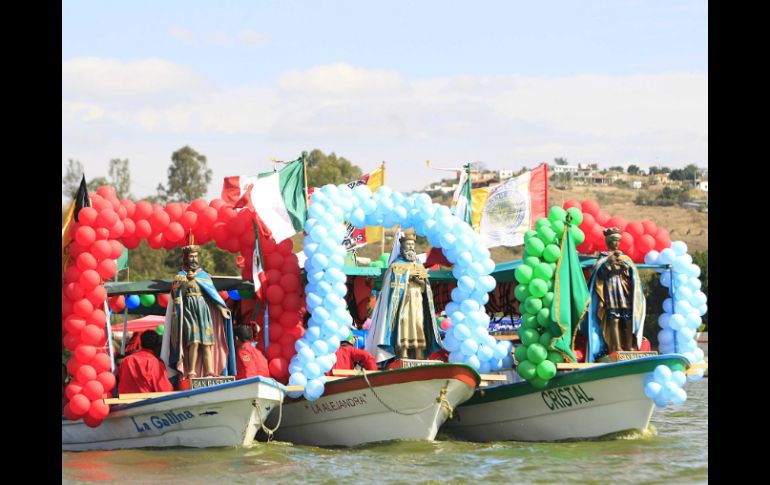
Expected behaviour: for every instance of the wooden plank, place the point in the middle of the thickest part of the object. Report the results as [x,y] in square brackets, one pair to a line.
[145,395]
[493,377]
[576,365]
[514,336]
[295,388]
[117,400]
[700,366]
[351,372]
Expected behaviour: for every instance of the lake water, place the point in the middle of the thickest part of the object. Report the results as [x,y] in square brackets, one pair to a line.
[673,450]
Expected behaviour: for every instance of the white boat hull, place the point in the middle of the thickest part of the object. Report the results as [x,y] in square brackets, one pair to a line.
[350,413]
[575,407]
[223,415]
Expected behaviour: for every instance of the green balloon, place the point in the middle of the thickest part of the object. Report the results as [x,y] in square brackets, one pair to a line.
[531,261]
[577,216]
[534,247]
[159,329]
[533,305]
[545,340]
[544,317]
[529,321]
[547,235]
[578,235]
[521,292]
[556,213]
[147,300]
[520,353]
[538,287]
[542,222]
[558,228]
[547,299]
[529,234]
[527,370]
[546,370]
[550,285]
[384,257]
[538,383]
[551,253]
[440,319]
[555,357]
[536,353]
[529,336]
[543,271]
[523,273]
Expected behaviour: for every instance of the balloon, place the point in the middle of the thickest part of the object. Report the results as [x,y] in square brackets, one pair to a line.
[536,353]
[526,369]
[523,273]
[546,370]
[147,300]
[79,404]
[132,302]
[534,247]
[556,213]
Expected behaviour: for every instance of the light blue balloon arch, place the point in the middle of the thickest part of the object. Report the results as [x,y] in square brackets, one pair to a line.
[467,340]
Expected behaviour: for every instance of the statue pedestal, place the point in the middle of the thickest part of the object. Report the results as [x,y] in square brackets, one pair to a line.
[627,355]
[199,382]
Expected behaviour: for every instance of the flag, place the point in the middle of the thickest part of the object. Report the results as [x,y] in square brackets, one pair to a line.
[375,180]
[511,208]
[261,232]
[81,200]
[281,202]
[571,298]
[461,199]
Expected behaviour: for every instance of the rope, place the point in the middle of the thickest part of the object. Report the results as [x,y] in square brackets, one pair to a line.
[440,399]
[269,432]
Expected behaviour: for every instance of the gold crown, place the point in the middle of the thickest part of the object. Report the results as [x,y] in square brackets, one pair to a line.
[612,232]
[408,236]
[191,247]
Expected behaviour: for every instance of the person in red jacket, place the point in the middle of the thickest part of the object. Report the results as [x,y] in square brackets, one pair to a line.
[142,371]
[249,362]
[348,356]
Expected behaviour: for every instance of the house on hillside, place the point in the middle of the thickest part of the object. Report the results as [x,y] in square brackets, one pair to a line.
[703,185]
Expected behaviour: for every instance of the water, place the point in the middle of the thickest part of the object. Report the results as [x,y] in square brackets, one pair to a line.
[674,450]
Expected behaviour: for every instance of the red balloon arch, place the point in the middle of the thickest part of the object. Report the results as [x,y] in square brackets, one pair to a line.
[97,241]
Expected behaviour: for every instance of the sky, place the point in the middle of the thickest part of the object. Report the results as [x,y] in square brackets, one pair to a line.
[511,84]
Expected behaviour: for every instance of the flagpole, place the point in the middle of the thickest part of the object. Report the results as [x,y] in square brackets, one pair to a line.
[382,241]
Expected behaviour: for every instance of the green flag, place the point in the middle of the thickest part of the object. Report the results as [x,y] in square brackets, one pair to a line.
[571,297]
[122,261]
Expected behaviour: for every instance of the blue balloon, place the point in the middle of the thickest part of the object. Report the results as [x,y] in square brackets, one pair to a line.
[311,370]
[132,302]
[469,346]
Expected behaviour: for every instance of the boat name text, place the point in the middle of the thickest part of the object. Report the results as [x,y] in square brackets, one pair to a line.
[565,397]
[326,407]
[159,422]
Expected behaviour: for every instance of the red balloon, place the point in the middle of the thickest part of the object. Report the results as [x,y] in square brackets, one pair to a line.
[273,351]
[89,279]
[79,404]
[131,242]
[247,239]
[275,294]
[107,218]
[225,213]
[225,295]
[99,410]
[101,362]
[207,217]
[275,311]
[116,249]
[129,227]
[217,203]
[106,191]
[626,243]
[571,203]
[159,219]
[590,207]
[107,269]
[291,302]
[85,373]
[289,319]
[168,244]
[91,422]
[107,379]
[618,222]
[297,332]
[635,228]
[73,291]
[285,247]
[69,414]
[279,369]
[129,206]
[91,334]
[219,233]
[174,232]
[86,261]
[72,275]
[83,307]
[155,241]
[87,216]
[587,247]
[662,240]
[273,276]
[232,244]
[143,210]
[73,365]
[645,244]
[97,296]
[74,324]
[268,245]
[198,205]
[72,389]
[276,332]
[93,389]
[70,341]
[273,261]
[188,220]
[602,218]
[290,264]
[649,227]
[99,203]
[162,300]
[85,236]
[84,353]
[174,210]
[102,233]
[118,303]
[235,226]
[101,249]
[143,229]
[588,222]
[288,351]
[290,283]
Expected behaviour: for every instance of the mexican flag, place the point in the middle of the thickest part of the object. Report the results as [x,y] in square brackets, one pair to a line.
[278,197]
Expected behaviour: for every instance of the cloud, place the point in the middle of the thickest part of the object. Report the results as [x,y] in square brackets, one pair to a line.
[375,114]
[243,38]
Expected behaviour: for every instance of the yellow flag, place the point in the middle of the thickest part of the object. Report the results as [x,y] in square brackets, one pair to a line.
[479,197]
[376,179]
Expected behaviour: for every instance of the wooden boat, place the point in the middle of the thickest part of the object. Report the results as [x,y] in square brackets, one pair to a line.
[408,403]
[220,415]
[584,403]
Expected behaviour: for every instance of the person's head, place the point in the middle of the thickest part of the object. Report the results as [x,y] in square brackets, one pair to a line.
[349,340]
[244,333]
[408,243]
[612,237]
[150,340]
[191,257]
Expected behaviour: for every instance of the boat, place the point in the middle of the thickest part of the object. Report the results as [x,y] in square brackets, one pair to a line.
[585,403]
[226,414]
[408,403]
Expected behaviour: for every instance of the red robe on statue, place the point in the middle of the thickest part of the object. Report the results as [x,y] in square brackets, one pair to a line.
[143,372]
[250,362]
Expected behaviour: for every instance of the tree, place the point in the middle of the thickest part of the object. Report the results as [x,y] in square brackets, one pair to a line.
[188,177]
[71,180]
[617,168]
[560,161]
[329,169]
[120,178]
[633,170]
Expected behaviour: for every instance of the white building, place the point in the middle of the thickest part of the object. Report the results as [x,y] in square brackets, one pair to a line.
[565,169]
[504,174]
[637,184]
[703,186]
